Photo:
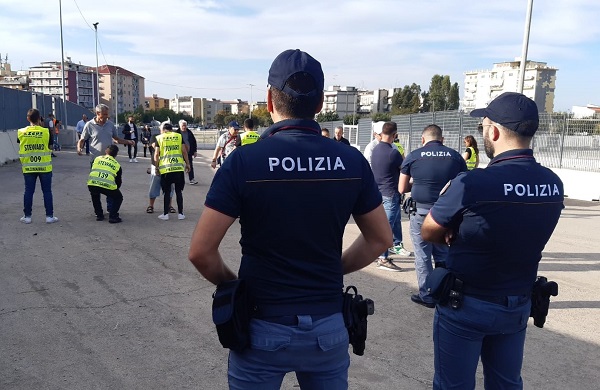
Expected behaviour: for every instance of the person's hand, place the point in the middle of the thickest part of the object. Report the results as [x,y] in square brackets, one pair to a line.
[79,151]
[195,155]
[187,168]
[131,142]
[213,164]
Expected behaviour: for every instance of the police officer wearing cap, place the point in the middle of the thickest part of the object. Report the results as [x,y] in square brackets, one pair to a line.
[430,168]
[293,192]
[514,199]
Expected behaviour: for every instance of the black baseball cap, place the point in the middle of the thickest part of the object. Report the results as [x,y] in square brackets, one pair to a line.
[290,62]
[514,111]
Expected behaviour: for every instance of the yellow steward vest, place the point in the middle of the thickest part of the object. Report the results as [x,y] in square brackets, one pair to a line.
[249,137]
[104,172]
[171,157]
[472,160]
[400,147]
[34,153]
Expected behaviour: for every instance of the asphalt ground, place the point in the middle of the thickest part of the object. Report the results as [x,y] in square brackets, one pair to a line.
[90,305]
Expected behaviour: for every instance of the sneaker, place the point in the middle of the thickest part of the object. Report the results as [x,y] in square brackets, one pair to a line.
[115,220]
[99,217]
[181,216]
[193,182]
[51,219]
[164,217]
[388,265]
[130,160]
[135,160]
[399,250]
[25,219]
[417,299]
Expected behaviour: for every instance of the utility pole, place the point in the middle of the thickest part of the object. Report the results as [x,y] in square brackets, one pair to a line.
[97,78]
[525,46]
[117,97]
[62,59]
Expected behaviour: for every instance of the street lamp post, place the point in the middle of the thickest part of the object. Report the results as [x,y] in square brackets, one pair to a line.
[525,47]
[251,85]
[97,78]
[62,61]
[117,97]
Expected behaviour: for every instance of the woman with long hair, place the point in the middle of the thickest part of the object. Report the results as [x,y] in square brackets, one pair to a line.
[471,154]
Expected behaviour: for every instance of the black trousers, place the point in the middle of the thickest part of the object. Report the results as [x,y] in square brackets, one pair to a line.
[134,146]
[166,179]
[113,195]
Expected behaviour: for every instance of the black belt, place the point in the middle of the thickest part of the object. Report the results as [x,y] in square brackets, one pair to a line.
[499,300]
[293,319]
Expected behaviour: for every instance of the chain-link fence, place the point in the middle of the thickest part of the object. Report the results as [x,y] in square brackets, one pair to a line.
[560,142]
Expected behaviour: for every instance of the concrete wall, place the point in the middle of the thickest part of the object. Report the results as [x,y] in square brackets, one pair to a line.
[9,149]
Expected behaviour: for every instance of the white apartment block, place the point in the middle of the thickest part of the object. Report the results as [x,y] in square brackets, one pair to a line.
[482,86]
[186,105]
[379,100]
[80,85]
[120,89]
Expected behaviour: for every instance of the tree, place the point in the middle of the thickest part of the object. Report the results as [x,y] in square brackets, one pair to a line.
[407,100]
[381,116]
[442,95]
[262,117]
[351,119]
[328,116]
[219,119]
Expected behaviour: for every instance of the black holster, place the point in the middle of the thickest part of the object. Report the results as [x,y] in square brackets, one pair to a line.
[409,206]
[540,299]
[231,314]
[355,311]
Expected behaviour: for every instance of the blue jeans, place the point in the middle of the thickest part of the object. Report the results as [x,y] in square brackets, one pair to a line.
[391,205]
[317,351]
[46,183]
[423,252]
[480,328]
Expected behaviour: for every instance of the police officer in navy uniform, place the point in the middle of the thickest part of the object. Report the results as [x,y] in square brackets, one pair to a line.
[514,199]
[430,168]
[293,191]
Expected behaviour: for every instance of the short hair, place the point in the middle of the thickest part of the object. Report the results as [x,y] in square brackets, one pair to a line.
[433,132]
[389,128]
[339,127]
[166,125]
[511,134]
[249,123]
[325,129]
[101,107]
[301,107]
[182,122]
[113,150]
[33,115]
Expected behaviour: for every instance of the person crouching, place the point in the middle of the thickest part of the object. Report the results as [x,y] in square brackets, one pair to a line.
[105,178]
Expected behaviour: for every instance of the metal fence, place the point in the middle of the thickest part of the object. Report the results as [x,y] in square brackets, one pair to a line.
[560,142]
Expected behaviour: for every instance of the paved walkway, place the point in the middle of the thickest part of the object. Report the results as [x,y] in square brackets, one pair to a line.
[86,304]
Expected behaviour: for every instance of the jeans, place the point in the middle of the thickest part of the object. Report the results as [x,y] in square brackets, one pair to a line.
[423,252]
[392,208]
[134,146]
[316,350]
[479,328]
[191,159]
[46,184]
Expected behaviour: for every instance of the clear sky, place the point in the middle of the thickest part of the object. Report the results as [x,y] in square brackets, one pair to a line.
[215,49]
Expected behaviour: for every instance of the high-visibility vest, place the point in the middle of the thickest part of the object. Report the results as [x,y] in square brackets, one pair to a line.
[249,137]
[170,158]
[104,172]
[34,153]
[472,161]
[400,147]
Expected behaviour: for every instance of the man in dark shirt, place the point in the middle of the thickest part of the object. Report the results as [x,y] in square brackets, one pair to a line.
[386,162]
[339,136]
[430,168]
[292,189]
[513,199]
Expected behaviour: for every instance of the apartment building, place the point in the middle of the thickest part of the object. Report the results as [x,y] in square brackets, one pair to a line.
[155,103]
[121,89]
[79,80]
[343,100]
[482,86]
[186,105]
[378,100]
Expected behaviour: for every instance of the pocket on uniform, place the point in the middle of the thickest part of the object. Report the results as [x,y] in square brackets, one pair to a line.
[268,341]
[333,340]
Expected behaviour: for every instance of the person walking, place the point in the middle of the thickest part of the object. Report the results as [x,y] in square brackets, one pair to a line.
[298,325]
[106,178]
[171,160]
[35,143]
[130,132]
[191,146]
[513,197]
[79,129]
[226,144]
[424,173]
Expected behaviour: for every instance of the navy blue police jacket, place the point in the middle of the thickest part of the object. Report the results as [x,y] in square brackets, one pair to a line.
[502,217]
[431,167]
[294,192]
